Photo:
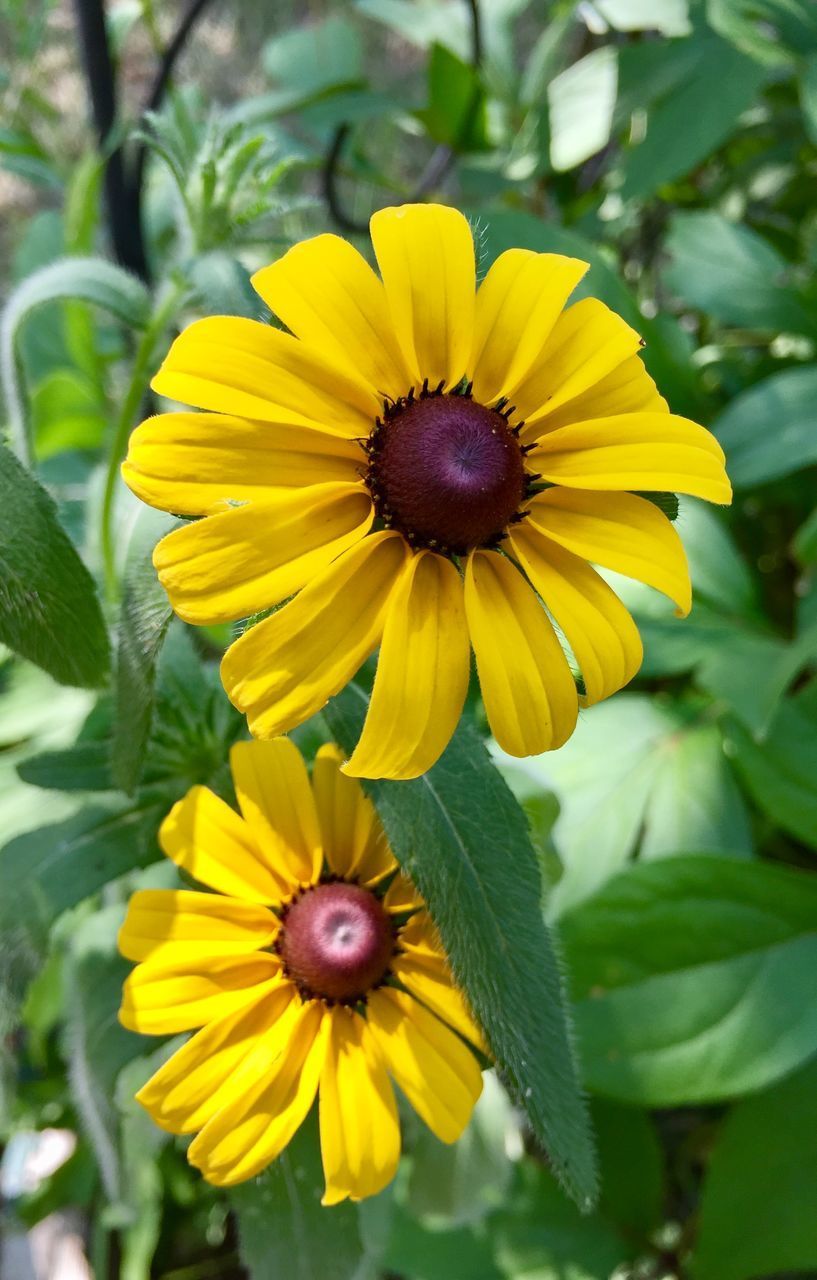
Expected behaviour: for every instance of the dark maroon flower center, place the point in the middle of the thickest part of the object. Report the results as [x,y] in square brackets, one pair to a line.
[447,472]
[336,941]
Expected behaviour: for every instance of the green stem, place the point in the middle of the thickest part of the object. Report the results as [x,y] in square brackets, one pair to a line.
[139,382]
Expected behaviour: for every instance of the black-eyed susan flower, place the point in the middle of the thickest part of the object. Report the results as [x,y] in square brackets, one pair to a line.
[419,465]
[311,968]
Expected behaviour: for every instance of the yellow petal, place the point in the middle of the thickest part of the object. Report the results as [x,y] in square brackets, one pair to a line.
[653,451]
[401,895]
[518,304]
[429,979]
[209,840]
[161,998]
[626,389]
[360,1131]
[422,674]
[242,561]
[599,630]
[198,463]
[327,294]
[588,342]
[619,531]
[239,366]
[272,788]
[438,1074]
[287,667]
[353,837]
[529,694]
[426,257]
[273,1091]
[199,1078]
[176,924]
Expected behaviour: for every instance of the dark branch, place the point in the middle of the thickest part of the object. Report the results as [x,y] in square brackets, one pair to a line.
[442,159]
[123,213]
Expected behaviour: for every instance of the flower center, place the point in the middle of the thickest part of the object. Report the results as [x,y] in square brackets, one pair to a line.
[337,941]
[446,471]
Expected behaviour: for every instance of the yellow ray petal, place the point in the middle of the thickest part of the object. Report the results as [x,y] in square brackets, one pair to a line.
[422,674]
[209,840]
[437,1073]
[199,1078]
[353,837]
[239,366]
[619,531]
[327,294]
[272,788]
[626,389]
[274,1089]
[161,998]
[518,304]
[175,925]
[529,694]
[401,895]
[426,257]
[198,463]
[587,343]
[599,630]
[360,1131]
[429,979]
[287,667]
[242,561]
[655,451]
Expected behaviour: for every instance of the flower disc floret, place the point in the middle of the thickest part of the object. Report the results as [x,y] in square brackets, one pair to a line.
[336,941]
[447,472]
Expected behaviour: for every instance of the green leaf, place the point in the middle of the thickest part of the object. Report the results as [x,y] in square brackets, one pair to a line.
[772,31]
[143,622]
[422,22]
[311,58]
[464,841]
[686,126]
[451,1186]
[93,280]
[780,772]
[97,1046]
[544,1237]
[67,413]
[83,767]
[734,275]
[283,1230]
[756,455]
[808,95]
[464,1254]
[455,115]
[758,1212]
[632,1168]
[580,104]
[639,773]
[48,870]
[49,610]
[670,17]
[695,979]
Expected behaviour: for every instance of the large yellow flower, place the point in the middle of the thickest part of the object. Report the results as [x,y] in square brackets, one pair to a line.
[422,465]
[313,967]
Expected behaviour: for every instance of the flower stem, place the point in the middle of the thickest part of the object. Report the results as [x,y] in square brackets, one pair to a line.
[163,313]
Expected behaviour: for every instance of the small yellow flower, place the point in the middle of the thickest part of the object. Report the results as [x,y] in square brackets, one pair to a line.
[312,968]
[421,466]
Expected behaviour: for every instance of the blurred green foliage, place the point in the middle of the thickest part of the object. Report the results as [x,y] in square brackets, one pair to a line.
[673,145]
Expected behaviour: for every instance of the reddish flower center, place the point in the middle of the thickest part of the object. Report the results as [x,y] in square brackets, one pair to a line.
[337,941]
[447,472]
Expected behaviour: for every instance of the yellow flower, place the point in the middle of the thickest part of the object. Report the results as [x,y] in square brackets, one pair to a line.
[422,465]
[313,967]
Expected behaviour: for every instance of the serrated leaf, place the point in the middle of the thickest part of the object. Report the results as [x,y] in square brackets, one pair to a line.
[695,979]
[143,622]
[49,609]
[464,841]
